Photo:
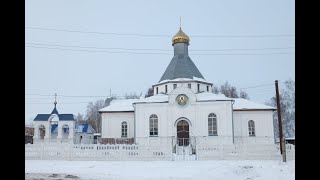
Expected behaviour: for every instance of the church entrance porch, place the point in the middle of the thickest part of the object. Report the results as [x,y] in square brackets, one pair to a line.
[183,147]
[183,133]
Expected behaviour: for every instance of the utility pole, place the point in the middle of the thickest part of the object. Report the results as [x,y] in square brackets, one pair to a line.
[282,143]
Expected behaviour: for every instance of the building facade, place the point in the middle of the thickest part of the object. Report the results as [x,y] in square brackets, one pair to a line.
[184,109]
[54,127]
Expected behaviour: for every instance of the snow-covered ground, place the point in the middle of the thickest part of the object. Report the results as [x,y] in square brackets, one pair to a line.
[156,170]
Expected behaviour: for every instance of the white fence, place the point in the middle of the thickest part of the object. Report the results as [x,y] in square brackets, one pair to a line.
[95,152]
[162,149]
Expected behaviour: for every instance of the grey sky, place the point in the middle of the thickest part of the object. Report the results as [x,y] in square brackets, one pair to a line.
[82,73]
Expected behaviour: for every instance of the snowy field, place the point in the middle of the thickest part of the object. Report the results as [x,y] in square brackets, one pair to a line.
[156,170]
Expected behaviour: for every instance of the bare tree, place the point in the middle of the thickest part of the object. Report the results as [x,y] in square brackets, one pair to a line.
[215,90]
[287,105]
[233,92]
[108,100]
[131,96]
[244,95]
[93,116]
[228,90]
[80,118]
[150,92]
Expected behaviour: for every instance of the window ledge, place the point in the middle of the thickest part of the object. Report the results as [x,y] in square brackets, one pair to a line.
[213,135]
[153,136]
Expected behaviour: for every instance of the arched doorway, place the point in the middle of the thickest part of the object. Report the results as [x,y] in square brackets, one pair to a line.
[183,133]
[42,131]
[65,132]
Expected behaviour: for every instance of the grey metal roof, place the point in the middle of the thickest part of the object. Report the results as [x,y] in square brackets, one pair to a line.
[55,111]
[62,117]
[66,117]
[181,66]
[42,117]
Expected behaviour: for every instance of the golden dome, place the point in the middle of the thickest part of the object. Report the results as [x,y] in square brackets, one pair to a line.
[180,37]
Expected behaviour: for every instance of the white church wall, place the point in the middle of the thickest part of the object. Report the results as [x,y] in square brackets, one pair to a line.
[263,121]
[48,137]
[37,124]
[62,135]
[111,124]
[195,112]
[143,113]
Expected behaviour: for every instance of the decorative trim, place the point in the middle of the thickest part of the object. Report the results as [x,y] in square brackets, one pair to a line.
[187,81]
[182,118]
[254,109]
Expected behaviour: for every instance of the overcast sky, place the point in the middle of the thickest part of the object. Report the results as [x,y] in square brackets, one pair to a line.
[57,62]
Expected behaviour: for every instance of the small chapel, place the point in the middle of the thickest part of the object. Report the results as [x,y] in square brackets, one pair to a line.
[54,127]
[183,110]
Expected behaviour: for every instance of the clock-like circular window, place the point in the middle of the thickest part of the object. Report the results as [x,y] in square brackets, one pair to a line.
[182,99]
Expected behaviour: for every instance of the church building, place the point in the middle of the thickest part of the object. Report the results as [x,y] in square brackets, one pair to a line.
[184,110]
[54,127]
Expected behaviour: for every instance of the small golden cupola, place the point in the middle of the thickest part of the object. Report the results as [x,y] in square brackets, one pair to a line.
[180,37]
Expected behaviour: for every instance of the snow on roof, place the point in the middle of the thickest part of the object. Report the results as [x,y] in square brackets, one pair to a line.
[291,138]
[125,105]
[243,104]
[184,79]
[154,99]
[207,96]
[119,105]
[240,103]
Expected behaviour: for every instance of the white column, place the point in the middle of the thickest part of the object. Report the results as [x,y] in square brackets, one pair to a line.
[48,131]
[71,130]
[60,126]
[36,132]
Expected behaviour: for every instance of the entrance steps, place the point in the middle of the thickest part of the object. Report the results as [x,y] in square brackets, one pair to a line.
[181,157]
[184,153]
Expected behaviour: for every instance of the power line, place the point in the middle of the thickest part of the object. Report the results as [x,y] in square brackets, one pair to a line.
[62,95]
[259,86]
[94,32]
[157,35]
[65,49]
[61,103]
[129,49]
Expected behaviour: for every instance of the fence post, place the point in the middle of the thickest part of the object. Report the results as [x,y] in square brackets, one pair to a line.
[196,150]
[284,158]
[220,150]
[172,146]
[121,149]
[41,151]
[95,149]
[244,151]
[69,147]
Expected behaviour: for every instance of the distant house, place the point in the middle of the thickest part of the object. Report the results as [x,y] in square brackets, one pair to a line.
[96,138]
[291,140]
[84,134]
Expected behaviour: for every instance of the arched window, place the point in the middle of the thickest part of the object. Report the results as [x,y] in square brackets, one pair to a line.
[153,123]
[212,125]
[65,132]
[124,129]
[42,131]
[251,127]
